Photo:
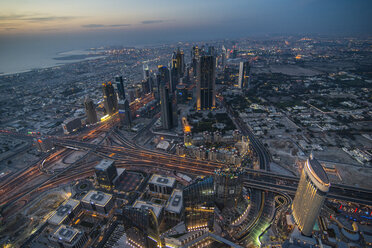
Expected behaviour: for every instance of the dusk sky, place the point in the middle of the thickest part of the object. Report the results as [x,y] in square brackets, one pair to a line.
[216,18]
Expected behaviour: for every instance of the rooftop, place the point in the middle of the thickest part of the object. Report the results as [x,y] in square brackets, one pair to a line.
[63,211]
[65,233]
[162,180]
[318,169]
[97,197]
[175,202]
[148,205]
[104,164]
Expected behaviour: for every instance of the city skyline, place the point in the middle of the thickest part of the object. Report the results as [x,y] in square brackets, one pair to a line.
[185,124]
[231,18]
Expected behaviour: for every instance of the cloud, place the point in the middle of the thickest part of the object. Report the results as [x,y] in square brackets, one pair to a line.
[49,18]
[35,18]
[9,29]
[93,26]
[104,26]
[118,25]
[153,21]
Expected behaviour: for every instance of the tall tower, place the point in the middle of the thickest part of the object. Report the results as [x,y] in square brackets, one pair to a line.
[162,78]
[206,83]
[194,59]
[167,103]
[110,99]
[120,86]
[223,57]
[310,195]
[90,110]
[244,69]
[228,186]
[166,107]
[124,112]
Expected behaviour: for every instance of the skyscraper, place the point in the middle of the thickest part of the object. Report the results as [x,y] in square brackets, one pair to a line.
[228,186]
[223,57]
[167,102]
[110,99]
[162,78]
[310,195]
[90,110]
[166,107]
[244,69]
[124,112]
[206,83]
[106,172]
[120,86]
[194,59]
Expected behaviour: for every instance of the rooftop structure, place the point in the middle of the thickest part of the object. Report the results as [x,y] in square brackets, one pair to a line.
[175,202]
[157,209]
[67,236]
[63,212]
[97,198]
[162,180]
[98,201]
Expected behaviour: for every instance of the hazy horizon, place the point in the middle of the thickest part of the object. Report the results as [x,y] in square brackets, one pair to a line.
[31,30]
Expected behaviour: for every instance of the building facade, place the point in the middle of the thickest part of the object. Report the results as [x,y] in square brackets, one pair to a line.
[110,99]
[206,83]
[90,111]
[310,195]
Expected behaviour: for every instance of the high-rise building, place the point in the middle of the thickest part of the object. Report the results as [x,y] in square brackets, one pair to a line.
[166,108]
[90,110]
[244,69]
[110,99]
[106,173]
[162,77]
[228,187]
[124,112]
[146,72]
[206,83]
[310,195]
[223,57]
[194,59]
[120,86]
[167,101]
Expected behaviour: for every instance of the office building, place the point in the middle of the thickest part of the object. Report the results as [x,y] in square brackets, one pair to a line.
[194,59]
[68,237]
[90,111]
[65,212]
[228,187]
[199,204]
[182,93]
[120,87]
[174,209]
[110,99]
[243,80]
[141,224]
[167,101]
[161,184]
[206,83]
[125,114]
[310,195]
[223,57]
[71,125]
[98,201]
[106,173]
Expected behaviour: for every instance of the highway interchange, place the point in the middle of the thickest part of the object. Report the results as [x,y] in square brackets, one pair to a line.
[22,187]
